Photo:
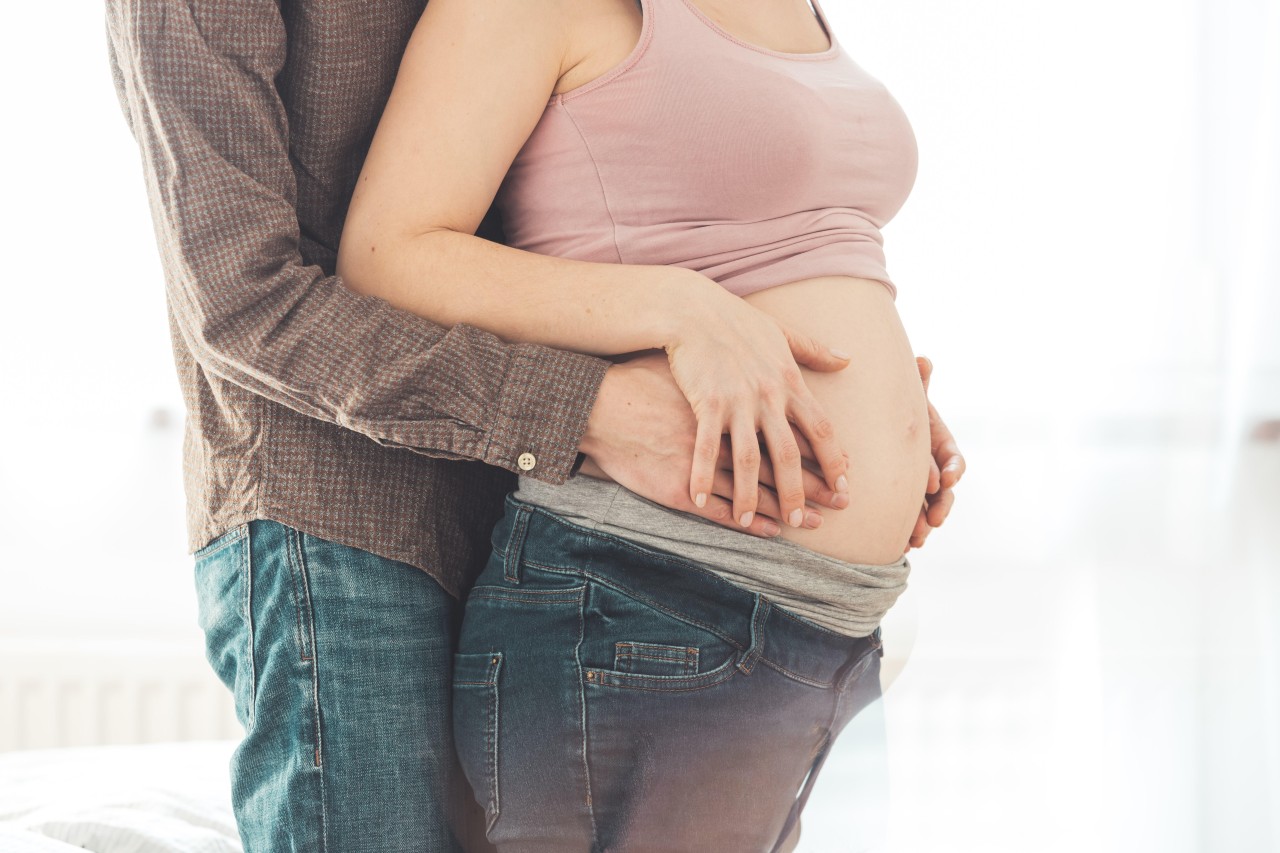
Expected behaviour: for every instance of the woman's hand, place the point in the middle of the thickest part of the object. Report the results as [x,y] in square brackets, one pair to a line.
[641,435]
[738,368]
[945,470]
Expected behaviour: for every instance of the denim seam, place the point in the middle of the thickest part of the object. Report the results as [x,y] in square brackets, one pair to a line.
[682,617]
[491,738]
[603,581]
[511,560]
[245,569]
[234,535]
[800,620]
[572,595]
[295,590]
[756,651]
[295,541]
[795,675]
[525,600]
[631,546]
[582,718]
[679,683]
[487,589]
[686,658]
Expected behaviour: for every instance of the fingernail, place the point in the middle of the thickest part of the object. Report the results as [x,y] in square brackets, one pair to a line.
[842,483]
[839,353]
[841,500]
[797,516]
[770,529]
[745,521]
[813,519]
[701,499]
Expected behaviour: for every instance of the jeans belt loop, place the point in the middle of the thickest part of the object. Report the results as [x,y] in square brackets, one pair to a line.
[747,660]
[515,544]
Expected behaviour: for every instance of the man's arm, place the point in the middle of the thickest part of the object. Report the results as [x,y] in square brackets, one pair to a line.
[196,81]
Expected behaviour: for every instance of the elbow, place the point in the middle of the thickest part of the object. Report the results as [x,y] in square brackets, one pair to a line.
[357,261]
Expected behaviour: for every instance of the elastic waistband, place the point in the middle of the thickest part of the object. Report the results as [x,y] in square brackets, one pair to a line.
[749,621]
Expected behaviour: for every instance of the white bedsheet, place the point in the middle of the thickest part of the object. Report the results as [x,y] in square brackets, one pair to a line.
[157,798]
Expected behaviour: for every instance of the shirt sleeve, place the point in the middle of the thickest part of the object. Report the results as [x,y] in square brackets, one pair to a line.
[196,83]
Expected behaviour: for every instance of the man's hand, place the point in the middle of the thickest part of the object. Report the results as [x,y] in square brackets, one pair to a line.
[945,470]
[646,417]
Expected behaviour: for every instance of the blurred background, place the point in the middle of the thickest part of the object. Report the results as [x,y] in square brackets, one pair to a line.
[1088,657]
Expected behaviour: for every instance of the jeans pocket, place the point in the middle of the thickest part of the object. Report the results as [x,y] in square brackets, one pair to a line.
[631,643]
[223,598]
[475,725]
[655,659]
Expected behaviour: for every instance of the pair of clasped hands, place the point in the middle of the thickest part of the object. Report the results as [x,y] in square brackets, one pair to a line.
[647,437]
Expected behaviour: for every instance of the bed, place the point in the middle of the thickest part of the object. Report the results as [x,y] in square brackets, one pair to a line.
[154,798]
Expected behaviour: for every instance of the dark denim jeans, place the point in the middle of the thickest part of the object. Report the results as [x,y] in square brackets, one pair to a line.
[609,696]
[339,661]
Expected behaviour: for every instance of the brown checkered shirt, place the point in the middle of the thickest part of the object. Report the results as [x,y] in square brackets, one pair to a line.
[308,403]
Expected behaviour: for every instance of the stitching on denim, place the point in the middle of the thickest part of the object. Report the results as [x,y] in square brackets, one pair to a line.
[491,738]
[524,600]
[294,538]
[486,589]
[684,657]
[221,543]
[755,651]
[293,560]
[244,567]
[511,558]
[805,623]
[654,683]
[797,676]
[582,719]
[528,596]
[682,617]
[632,546]
[627,591]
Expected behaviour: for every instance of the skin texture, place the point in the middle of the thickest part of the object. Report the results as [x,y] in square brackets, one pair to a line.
[742,369]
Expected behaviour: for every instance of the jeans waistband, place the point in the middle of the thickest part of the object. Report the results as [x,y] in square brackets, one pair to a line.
[761,631]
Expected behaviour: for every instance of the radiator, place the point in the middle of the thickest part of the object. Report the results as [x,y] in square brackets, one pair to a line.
[58,692]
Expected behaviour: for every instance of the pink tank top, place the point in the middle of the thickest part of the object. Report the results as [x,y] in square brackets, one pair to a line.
[752,166]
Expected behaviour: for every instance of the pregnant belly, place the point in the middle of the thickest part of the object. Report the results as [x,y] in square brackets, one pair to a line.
[877,406]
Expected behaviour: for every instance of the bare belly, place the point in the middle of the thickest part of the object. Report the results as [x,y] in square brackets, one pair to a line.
[877,406]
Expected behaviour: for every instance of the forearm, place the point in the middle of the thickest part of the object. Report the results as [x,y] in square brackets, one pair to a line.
[596,308]
[251,311]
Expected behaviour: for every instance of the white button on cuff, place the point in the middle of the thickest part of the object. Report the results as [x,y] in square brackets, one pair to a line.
[526,461]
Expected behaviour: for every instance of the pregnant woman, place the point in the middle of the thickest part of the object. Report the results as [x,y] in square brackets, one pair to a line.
[684,180]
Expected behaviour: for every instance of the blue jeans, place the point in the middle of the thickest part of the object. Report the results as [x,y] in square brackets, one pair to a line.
[339,662]
[609,696]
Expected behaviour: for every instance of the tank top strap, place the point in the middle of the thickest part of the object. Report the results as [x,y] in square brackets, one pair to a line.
[682,21]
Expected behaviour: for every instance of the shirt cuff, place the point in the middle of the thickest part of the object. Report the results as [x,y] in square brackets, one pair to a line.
[542,411]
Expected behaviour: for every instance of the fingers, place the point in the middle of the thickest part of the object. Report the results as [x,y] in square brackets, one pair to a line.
[946,454]
[925,366]
[952,464]
[784,459]
[812,354]
[720,511]
[746,469]
[767,504]
[935,477]
[940,507]
[706,450]
[920,532]
[818,429]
